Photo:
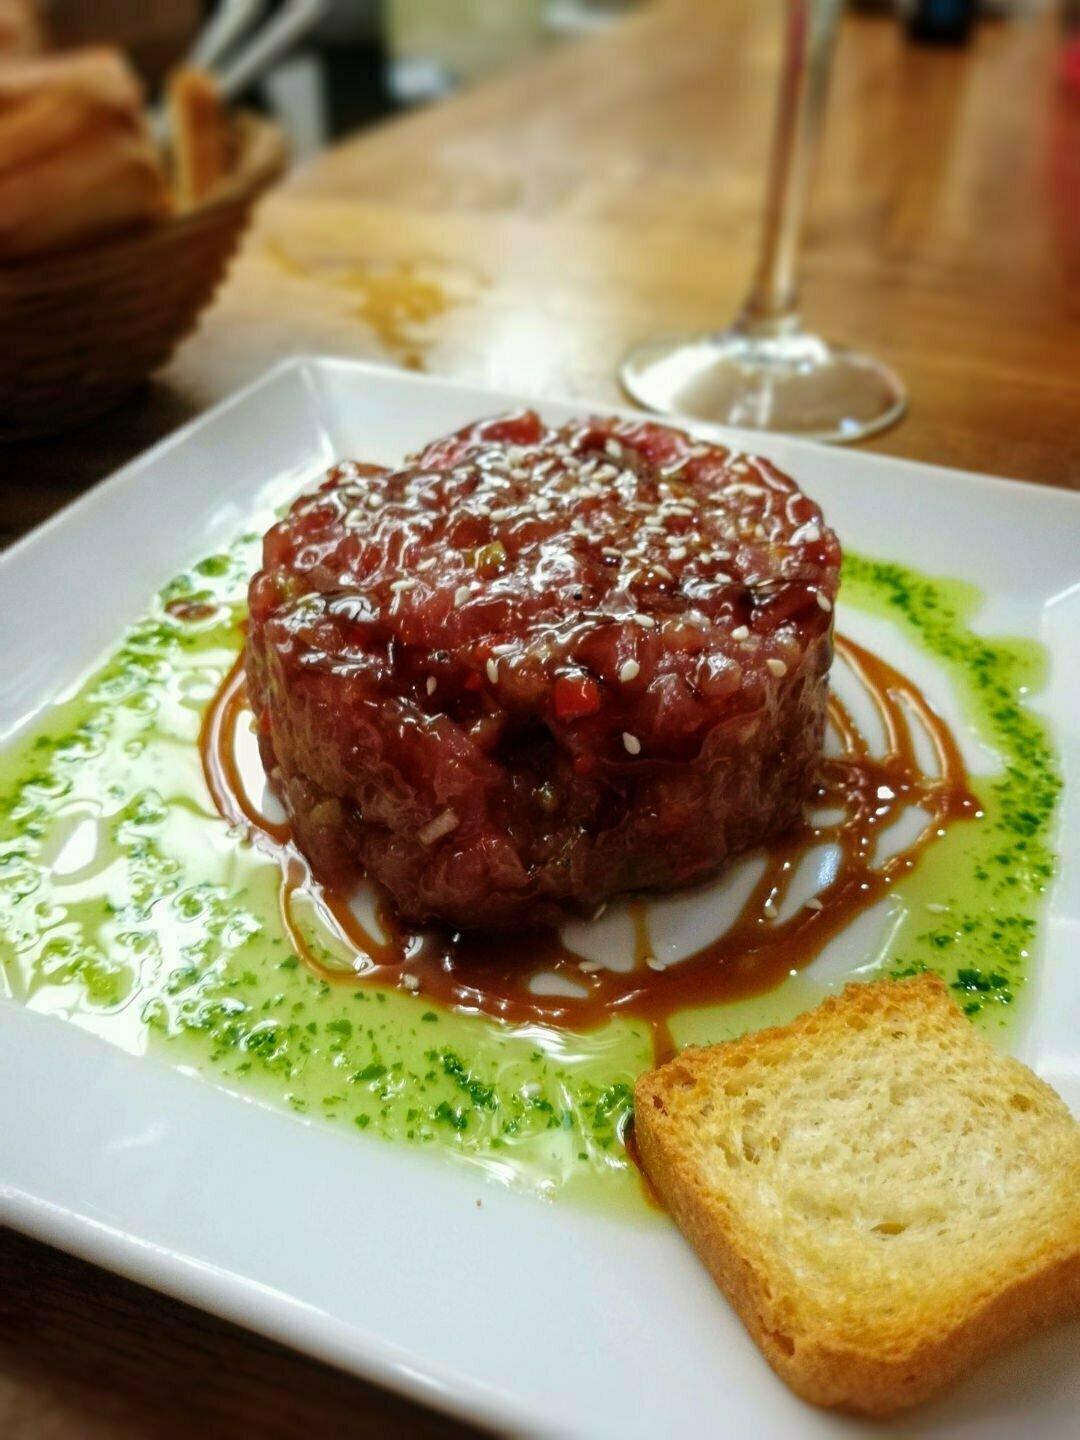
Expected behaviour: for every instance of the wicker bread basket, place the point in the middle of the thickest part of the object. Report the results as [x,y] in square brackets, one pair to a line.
[79,330]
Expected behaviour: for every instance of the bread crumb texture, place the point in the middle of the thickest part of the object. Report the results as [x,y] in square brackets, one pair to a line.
[883,1197]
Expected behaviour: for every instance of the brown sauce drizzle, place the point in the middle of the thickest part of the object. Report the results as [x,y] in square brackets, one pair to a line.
[491,972]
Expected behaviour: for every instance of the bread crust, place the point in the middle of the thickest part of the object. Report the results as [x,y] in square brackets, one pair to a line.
[875,1369]
[76,161]
[199,136]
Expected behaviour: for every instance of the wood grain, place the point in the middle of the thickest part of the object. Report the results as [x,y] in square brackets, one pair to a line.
[88,1356]
[524,236]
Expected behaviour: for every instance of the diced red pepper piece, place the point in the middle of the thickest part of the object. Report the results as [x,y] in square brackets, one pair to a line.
[575,696]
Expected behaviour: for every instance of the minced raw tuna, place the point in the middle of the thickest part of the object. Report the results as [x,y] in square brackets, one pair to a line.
[534,668]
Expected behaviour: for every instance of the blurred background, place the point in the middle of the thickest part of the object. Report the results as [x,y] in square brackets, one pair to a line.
[523,193]
[362,60]
[365,59]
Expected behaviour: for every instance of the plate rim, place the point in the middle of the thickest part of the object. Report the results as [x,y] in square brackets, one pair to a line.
[305,361]
[454,1393]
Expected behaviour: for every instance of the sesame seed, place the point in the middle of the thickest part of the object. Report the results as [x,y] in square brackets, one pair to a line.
[814,904]
[769,910]
[776,667]
[374,501]
[411,982]
[589,967]
[629,670]
[654,963]
[631,743]
[492,668]
[824,601]
[937,909]
[399,585]
[811,533]
[678,553]
[461,594]
[614,449]
[428,564]
[741,632]
[645,620]
[437,828]
[430,684]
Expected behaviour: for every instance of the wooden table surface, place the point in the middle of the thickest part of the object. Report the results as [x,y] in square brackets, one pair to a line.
[524,235]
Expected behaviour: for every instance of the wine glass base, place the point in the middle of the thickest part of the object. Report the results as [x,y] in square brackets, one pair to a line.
[794,384]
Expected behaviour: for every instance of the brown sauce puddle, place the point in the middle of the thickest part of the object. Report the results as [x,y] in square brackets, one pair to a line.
[491,972]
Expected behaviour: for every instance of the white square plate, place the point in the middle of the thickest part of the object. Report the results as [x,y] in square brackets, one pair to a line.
[537,1318]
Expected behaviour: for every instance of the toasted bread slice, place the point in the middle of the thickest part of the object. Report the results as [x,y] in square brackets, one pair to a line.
[200,136]
[20,28]
[49,101]
[104,183]
[76,160]
[884,1199]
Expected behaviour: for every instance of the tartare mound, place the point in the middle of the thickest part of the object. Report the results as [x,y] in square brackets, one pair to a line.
[534,668]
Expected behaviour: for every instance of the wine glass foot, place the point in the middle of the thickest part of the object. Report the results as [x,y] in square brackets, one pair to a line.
[793,384]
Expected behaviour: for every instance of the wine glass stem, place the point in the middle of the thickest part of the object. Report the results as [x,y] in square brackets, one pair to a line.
[771,307]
